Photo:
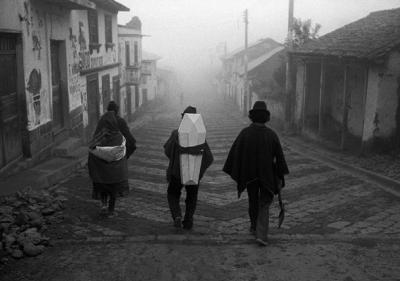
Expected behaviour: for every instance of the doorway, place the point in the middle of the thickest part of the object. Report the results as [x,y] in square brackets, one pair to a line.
[116,93]
[144,96]
[92,88]
[57,89]
[10,130]
[105,88]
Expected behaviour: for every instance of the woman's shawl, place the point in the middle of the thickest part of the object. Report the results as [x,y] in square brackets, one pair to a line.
[256,154]
[107,134]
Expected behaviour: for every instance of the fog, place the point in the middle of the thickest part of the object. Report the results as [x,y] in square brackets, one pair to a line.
[190,34]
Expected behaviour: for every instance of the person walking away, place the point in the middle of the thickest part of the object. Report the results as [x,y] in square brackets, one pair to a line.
[256,163]
[110,175]
[172,151]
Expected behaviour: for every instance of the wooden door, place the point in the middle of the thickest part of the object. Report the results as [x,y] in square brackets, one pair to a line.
[58,116]
[10,131]
[105,89]
[92,88]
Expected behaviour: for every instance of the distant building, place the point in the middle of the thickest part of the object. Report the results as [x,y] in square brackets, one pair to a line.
[59,66]
[348,83]
[149,76]
[167,83]
[233,68]
[130,57]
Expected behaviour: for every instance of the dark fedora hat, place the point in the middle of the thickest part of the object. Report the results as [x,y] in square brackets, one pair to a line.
[259,106]
[190,109]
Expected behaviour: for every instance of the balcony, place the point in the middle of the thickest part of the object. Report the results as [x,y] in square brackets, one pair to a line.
[132,75]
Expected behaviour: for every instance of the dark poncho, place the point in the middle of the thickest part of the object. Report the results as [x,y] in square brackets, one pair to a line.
[109,132]
[172,150]
[256,155]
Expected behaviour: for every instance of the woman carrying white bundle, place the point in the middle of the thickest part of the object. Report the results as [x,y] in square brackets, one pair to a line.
[111,146]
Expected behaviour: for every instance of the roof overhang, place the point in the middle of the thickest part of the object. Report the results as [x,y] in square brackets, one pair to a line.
[111,5]
[72,4]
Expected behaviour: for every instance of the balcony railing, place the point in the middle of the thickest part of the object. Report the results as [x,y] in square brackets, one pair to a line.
[132,75]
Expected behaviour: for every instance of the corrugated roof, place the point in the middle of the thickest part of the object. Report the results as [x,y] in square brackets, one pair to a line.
[369,37]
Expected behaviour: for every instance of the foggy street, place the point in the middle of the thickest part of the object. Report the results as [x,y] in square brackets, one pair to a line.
[338,225]
[199,140]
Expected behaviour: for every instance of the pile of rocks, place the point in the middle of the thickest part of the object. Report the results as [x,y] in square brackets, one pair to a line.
[23,220]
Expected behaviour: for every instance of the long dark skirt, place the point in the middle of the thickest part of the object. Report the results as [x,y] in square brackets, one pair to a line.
[119,189]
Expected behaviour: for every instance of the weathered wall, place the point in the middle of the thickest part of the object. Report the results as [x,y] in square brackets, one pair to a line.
[371,102]
[388,100]
[333,94]
[356,88]
[9,19]
[298,114]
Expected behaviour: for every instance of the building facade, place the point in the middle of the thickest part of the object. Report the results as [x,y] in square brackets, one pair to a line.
[149,83]
[232,76]
[61,69]
[348,84]
[130,58]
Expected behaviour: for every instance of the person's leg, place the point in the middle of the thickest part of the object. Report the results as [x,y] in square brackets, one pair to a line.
[265,201]
[253,193]
[104,200]
[174,195]
[191,202]
[111,203]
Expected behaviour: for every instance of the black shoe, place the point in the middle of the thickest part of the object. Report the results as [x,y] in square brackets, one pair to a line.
[178,222]
[187,224]
[252,230]
[262,242]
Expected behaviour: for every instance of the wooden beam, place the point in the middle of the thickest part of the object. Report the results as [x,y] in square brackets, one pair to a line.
[345,107]
[321,97]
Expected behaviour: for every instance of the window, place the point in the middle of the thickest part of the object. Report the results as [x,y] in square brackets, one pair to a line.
[108,30]
[127,54]
[136,53]
[93,30]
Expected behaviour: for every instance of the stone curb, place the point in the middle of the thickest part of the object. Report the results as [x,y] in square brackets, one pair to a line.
[229,239]
[387,184]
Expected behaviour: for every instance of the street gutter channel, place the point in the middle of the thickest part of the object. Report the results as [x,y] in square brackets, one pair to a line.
[385,183]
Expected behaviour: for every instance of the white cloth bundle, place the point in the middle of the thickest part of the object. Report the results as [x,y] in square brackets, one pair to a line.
[110,153]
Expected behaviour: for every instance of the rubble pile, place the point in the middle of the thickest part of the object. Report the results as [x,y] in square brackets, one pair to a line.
[23,220]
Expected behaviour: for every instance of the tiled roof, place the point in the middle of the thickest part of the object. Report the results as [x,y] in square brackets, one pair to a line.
[147,56]
[256,62]
[255,50]
[370,37]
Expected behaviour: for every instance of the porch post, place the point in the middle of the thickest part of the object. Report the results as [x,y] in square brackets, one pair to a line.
[345,107]
[321,96]
[303,109]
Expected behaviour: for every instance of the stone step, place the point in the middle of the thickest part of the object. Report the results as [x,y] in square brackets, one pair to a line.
[67,147]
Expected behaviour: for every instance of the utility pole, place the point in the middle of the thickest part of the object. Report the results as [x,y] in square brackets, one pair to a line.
[246,82]
[289,68]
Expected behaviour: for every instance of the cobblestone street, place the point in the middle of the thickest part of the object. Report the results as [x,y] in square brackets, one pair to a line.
[336,221]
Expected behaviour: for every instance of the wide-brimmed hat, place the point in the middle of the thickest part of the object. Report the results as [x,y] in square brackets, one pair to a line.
[259,106]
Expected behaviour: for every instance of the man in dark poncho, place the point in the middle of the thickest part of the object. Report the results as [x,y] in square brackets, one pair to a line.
[110,179]
[173,150]
[256,163]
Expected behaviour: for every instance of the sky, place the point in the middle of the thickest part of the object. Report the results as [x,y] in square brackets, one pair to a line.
[187,33]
